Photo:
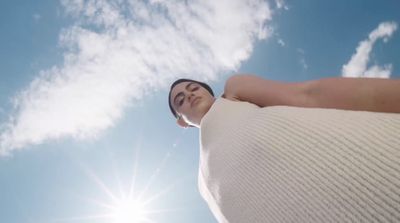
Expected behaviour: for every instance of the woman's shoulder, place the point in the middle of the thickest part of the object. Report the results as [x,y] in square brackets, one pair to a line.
[238,84]
[229,97]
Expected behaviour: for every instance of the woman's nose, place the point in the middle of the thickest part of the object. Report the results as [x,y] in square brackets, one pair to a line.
[190,96]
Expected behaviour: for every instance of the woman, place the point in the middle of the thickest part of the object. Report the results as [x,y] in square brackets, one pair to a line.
[273,152]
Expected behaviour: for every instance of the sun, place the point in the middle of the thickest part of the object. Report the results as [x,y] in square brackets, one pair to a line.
[127,202]
[129,211]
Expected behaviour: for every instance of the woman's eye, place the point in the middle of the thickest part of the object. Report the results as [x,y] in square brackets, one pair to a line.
[180,102]
[195,88]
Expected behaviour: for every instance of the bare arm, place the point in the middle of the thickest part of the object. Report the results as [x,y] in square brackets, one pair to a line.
[368,94]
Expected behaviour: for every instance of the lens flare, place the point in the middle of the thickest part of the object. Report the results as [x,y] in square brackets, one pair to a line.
[129,212]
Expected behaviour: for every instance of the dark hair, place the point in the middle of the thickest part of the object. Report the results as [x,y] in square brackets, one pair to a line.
[208,88]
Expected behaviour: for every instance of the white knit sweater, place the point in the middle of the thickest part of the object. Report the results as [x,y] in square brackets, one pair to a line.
[289,164]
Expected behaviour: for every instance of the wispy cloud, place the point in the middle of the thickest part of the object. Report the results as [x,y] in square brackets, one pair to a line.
[281,42]
[358,64]
[280,4]
[119,51]
[302,59]
[36,17]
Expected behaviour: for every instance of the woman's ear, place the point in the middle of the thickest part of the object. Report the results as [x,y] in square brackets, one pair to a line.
[182,122]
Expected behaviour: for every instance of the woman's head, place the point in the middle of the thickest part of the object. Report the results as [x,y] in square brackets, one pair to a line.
[189,101]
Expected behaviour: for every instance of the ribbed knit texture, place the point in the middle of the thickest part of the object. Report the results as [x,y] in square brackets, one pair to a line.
[289,164]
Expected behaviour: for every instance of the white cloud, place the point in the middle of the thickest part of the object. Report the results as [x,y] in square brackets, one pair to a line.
[132,48]
[358,64]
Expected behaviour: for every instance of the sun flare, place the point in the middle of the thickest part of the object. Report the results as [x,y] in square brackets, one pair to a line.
[130,202]
[129,212]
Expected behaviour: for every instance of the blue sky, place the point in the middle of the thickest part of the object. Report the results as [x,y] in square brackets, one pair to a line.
[83,91]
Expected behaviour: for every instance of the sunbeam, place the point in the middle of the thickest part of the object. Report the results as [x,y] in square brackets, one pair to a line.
[135,167]
[133,205]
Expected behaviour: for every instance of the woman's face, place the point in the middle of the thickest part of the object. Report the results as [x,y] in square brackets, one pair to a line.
[191,101]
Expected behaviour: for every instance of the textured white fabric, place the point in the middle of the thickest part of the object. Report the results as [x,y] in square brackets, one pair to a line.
[290,164]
